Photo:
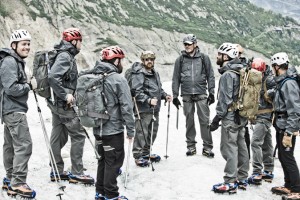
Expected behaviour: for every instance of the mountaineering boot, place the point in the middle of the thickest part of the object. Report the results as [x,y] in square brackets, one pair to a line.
[242,185]
[153,157]
[63,176]
[21,189]
[99,196]
[267,176]
[191,151]
[6,183]
[208,153]
[231,188]
[141,162]
[292,196]
[255,179]
[280,190]
[84,179]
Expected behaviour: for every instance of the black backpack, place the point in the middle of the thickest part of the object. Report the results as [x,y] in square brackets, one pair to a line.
[135,68]
[42,63]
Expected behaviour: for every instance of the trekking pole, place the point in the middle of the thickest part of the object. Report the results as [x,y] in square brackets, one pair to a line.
[127,163]
[177,118]
[50,152]
[75,109]
[166,156]
[151,140]
[139,118]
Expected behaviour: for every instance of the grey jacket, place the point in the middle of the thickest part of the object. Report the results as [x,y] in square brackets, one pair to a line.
[63,74]
[193,75]
[287,100]
[146,85]
[119,103]
[268,79]
[229,85]
[13,81]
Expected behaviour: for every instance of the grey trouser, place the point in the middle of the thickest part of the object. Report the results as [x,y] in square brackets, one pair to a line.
[61,128]
[189,102]
[234,151]
[140,147]
[17,147]
[262,148]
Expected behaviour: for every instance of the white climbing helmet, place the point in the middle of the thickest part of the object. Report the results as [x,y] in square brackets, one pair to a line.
[229,49]
[19,35]
[280,58]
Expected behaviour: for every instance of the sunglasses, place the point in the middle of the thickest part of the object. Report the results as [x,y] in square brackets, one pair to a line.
[149,59]
[186,44]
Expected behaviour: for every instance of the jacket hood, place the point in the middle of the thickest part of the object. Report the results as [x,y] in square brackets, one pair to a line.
[291,72]
[234,65]
[66,46]
[104,67]
[197,53]
[137,66]
[6,51]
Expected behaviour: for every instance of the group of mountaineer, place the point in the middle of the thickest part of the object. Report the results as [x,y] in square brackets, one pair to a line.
[135,103]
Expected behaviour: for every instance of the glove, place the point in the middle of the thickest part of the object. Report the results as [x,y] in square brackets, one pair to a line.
[210,99]
[132,91]
[69,98]
[215,123]
[287,140]
[33,83]
[176,102]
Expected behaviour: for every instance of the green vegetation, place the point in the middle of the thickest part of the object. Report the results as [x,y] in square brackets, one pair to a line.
[3,10]
[213,21]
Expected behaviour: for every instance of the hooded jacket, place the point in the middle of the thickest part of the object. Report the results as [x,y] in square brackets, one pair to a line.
[119,103]
[192,75]
[14,85]
[287,101]
[63,74]
[147,85]
[229,85]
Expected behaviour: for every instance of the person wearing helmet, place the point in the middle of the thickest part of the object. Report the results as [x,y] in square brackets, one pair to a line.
[261,141]
[286,122]
[148,93]
[14,87]
[63,80]
[245,62]
[110,144]
[194,74]
[233,147]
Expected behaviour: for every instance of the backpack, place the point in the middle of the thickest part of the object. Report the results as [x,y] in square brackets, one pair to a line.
[135,68]
[42,63]
[249,93]
[91,100]
[3,53]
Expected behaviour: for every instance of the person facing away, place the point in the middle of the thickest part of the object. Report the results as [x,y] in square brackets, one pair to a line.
[233,147]
[193,73]
[286,101]
[63,80]
[148,93]
[110,141]
[14,85]
[261,141]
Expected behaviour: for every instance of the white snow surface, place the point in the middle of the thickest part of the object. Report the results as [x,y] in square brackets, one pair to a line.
[178,178]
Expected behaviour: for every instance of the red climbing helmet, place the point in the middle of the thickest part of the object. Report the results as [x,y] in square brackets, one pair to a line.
[72,34]
[112,52]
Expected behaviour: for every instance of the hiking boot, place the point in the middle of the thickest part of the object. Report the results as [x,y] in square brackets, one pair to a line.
[63,176]
[242,185]
[292,196]
[153,157]
[84,179]
[6,183]
[208,153]
[267,176]
[231,188]
[141,162]
[191,151]
[21,189]
[281,190]
[99,196]
[255,179]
